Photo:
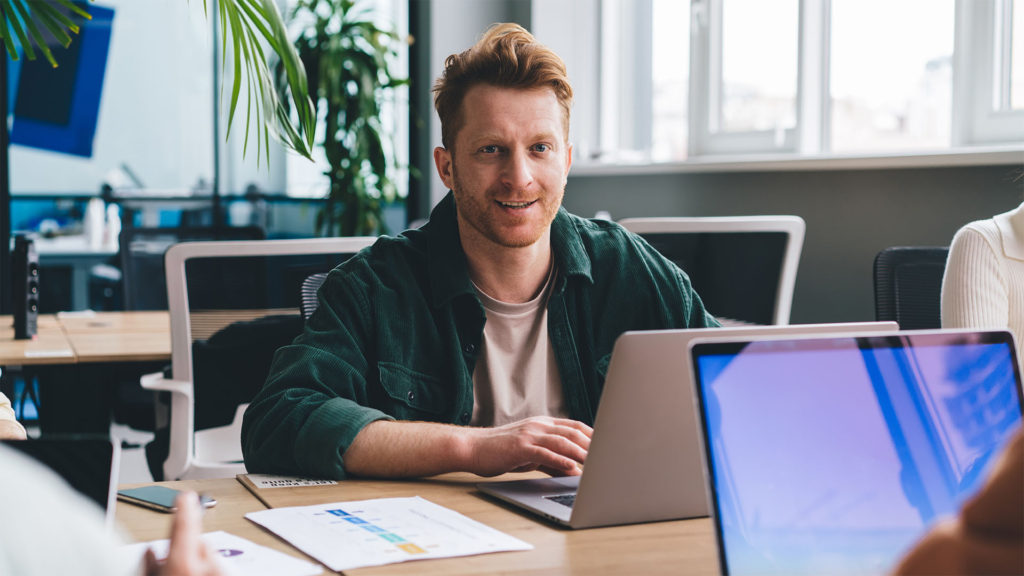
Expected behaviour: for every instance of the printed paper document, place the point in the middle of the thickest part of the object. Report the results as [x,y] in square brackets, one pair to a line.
[346,535]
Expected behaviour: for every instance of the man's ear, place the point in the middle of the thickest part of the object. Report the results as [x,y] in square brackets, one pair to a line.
[443,162]
[568,164]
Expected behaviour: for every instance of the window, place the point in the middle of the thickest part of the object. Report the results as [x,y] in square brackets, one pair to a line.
[988,38]
[807,77]
[888,93]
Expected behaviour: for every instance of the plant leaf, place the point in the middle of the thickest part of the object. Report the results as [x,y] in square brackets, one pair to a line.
[33,30]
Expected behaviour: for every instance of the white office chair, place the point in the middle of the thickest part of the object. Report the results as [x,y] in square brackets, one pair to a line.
[212,287]
[743,267]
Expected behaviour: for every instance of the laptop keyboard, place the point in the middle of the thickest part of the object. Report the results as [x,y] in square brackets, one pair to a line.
[563,499]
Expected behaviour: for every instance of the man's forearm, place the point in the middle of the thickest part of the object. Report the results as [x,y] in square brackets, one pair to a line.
[395,449]
[388,449]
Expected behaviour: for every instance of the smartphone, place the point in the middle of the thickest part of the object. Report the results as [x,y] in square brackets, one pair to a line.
[158,497]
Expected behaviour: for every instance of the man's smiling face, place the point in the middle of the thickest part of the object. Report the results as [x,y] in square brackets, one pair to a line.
[509,167]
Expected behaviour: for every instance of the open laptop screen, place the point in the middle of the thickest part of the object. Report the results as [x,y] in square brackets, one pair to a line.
[834,455]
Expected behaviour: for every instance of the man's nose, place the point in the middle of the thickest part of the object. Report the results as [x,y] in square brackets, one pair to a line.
[518,173]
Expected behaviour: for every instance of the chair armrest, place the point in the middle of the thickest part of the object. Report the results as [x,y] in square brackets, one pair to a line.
[158,383]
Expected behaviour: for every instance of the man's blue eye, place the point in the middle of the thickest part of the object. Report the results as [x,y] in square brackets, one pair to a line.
[541,147]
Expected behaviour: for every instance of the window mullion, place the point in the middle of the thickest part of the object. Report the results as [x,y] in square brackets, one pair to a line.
[813,98]
[697,109]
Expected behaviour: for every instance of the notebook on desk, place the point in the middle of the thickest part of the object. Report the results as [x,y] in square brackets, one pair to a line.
[88,464]
[644,462]
[834,455]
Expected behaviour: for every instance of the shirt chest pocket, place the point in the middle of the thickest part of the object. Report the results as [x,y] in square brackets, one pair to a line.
[412,395]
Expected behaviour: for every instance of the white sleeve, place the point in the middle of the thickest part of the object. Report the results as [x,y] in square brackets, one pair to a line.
[974,291]
[46,528]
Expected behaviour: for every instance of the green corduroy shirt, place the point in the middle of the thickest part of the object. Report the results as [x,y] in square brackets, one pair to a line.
[399,327]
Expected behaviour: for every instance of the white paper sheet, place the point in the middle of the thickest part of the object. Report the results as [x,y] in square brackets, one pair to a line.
[238,556]
[346,535]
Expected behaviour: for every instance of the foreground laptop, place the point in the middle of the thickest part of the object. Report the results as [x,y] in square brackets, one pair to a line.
[88,463]
[644,462]
[833,456]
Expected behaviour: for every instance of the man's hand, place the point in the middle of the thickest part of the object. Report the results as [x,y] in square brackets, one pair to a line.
[389,449]
[187,554]
[553,445]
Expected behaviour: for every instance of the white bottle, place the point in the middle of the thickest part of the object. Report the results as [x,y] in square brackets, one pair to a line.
[94,223]
[113,226]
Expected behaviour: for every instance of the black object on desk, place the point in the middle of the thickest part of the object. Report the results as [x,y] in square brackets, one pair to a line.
[26,287]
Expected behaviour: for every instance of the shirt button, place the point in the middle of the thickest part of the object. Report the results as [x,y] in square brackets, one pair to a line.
[411,396]
[469,348]
[464,418]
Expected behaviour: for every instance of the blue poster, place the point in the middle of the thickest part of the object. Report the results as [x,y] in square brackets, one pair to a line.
[57,109]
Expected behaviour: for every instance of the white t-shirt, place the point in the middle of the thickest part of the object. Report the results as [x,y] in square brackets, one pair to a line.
[516,375]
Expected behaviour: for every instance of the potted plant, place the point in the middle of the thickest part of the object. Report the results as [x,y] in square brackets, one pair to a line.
[349,67]
[246,24]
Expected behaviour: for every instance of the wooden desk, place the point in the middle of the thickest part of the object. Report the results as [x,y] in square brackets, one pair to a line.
[87,338]
[50,346]
[75,352]
[678,547]
[118,336]
[233,502]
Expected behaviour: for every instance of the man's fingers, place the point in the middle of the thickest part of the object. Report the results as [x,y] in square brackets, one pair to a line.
[563,447]
[576,425]
[552,461]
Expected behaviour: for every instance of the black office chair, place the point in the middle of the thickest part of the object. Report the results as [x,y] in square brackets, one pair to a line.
[908,285]
[310,286]
[142,259]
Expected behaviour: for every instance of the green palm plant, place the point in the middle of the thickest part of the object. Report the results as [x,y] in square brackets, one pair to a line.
[246,26]
[349,62]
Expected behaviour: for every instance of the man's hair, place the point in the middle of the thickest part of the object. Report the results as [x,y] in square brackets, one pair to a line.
[506,56]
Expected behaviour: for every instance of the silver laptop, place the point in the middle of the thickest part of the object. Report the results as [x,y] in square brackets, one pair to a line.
[644,463]
[835,455]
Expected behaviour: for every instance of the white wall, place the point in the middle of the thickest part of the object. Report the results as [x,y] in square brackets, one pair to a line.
[156,110]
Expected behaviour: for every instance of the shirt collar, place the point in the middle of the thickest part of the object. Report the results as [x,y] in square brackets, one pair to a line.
[1011,228]
[449,273]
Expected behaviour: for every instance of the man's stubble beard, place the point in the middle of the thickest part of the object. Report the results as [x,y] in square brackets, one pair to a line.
[479,218]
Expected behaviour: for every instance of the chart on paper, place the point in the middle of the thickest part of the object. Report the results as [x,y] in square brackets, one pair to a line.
[346,535]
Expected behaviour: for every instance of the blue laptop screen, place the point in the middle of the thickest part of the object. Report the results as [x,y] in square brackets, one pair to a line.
[834,455]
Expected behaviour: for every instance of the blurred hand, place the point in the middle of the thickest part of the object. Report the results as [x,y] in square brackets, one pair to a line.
[11,430]
[557,446]
[187,554]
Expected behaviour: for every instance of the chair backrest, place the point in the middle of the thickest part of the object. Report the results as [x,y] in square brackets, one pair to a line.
[908,285]
[232,304]
[142,259]
[743,267]
[310,286]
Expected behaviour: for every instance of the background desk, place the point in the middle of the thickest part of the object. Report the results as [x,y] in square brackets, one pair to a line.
[50,346]
[677,547]
[72,352]
[118,336]
[76,255]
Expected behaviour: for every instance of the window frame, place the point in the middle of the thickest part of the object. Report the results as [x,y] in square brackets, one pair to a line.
[978,75]
[975,129]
